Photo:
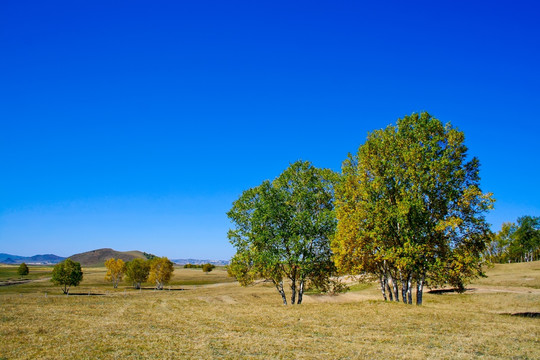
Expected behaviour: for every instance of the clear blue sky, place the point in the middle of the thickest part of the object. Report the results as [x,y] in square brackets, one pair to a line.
[136,124]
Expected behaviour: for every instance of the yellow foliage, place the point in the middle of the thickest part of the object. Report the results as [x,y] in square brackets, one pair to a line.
[161,270]
[115,270]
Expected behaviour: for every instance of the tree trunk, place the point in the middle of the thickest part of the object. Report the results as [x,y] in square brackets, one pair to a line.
[279,287]
[382,280]
[409,289]
[396,289]
[390,292]
[392,280]
[404,289]
[419,289]
[300,292]
[293,290]
[283,297]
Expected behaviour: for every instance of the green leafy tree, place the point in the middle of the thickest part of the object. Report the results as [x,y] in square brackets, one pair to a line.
[517,242]
[410,209]
[161,270]
[23,270]
[66,274]
[282,229]
[137,272]
[500,250]
[208,267]
[526,244]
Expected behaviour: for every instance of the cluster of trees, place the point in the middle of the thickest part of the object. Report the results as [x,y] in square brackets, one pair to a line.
[516,242]
[157,270]
[407,208]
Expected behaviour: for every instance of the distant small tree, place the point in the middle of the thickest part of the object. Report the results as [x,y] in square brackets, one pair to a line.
[137,271]
[161,270]
[208,267]
[115,271]
[66,274]
[23,269]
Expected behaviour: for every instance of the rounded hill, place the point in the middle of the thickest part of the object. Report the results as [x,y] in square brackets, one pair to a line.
[99,256]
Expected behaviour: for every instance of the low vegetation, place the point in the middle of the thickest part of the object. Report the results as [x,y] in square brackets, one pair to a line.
[38,321]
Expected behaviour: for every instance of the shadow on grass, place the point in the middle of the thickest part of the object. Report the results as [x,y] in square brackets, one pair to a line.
[165,289]
[524,314]
[85,294]
[446,291]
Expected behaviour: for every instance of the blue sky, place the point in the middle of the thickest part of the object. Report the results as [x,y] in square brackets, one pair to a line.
[135,125]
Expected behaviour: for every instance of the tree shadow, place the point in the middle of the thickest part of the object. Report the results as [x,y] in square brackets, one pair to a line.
[525,314]
[446,291]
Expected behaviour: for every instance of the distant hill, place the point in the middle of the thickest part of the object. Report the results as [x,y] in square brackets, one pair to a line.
[36,259]
[99,256]
[199,262]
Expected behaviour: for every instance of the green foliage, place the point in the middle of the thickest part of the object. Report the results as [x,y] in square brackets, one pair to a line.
[23,270]
[193,266]
[137,272]
[208,267]
[410,208]
[282,229]
[149,256]
[66,274]
[517,243]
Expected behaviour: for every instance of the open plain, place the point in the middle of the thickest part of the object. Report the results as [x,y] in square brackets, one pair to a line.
[208,316]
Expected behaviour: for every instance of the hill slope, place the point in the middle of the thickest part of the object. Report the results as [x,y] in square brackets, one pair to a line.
[99,256]
[36,259]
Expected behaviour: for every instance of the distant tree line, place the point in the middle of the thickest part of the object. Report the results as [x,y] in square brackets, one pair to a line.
[205,267]
[407,208]
[193,266]
[516,242]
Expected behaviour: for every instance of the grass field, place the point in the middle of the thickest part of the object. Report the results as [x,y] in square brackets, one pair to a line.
[208,316]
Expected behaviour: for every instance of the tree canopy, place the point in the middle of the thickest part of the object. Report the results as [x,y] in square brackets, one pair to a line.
[517,242]
[115,271]
[208,267]
[66,274]
[282,229]
[23,270]
[137,272]
[410,208]
[161,269]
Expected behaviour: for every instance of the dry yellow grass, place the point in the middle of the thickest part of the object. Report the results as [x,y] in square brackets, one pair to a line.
[224,320]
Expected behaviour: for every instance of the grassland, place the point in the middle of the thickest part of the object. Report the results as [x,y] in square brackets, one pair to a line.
[209,316]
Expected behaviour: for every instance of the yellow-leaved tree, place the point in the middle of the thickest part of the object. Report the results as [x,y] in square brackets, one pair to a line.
[115,270]
[161,270]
